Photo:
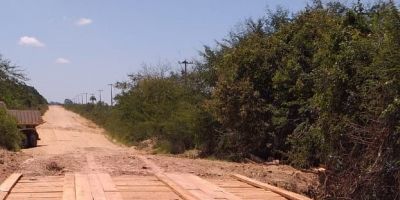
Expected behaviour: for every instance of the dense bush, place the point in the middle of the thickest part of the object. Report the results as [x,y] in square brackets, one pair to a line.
[320,87]
[10,136]
[317,89]
[155,107]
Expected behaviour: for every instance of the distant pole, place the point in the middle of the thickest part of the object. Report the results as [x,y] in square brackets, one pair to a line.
[86,97]
[186,63]
[111,87]
[100,91]
[82,99]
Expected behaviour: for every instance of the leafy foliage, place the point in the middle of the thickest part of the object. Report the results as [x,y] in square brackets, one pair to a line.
[10,137]
[156,107]
[13,90]
[321,87]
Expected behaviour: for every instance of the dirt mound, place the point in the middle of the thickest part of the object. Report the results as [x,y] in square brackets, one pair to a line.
[52,165]
[10,162]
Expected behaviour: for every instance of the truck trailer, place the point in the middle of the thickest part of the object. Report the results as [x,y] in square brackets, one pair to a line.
[27,121]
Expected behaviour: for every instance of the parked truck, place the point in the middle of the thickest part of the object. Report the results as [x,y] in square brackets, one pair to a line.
[27,121]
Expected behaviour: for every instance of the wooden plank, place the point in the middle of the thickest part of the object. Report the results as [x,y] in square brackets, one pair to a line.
[192,183]
[107,182]
[3,195]
[209,188]
[37,189]
[8,185]
[287,194]
[34,195]
[144,188]
[158,172]
[82,187]
[150,196]
[108,186]
[139,183]
[10,182]
[33,198]
[69,187]
[182,181]
[96,188]
[39,184]
[135,177]
[113,196]
[175,187]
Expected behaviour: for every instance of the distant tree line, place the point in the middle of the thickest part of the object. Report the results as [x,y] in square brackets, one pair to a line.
[14,91]
[319,87]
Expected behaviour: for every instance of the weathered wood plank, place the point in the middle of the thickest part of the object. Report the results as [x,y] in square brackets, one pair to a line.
[82,187]
[10,182]
[176,188]
[108,186]
[194,183]
[113,196]
[107,182]
[209,188]
[3,195]
[96,188]
[34,195]
[37,189]
[8,185]
[280,191]
[138,183]
[135,177]
[69,187]
[151,196]
[144,188]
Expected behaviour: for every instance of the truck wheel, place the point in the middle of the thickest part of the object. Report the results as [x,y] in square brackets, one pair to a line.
[25,142]
[32,139]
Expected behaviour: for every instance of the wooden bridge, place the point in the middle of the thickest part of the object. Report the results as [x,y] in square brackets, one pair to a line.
[160,186]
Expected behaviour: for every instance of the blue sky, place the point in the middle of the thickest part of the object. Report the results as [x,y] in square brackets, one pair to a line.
[69,47]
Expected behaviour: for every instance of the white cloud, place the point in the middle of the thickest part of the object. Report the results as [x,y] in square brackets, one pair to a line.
[62,61]
[30,41]
[84,21]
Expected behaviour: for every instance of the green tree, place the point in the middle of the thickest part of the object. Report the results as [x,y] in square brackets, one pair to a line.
[10,137]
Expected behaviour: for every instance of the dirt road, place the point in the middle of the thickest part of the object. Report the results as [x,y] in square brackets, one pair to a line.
[70,143]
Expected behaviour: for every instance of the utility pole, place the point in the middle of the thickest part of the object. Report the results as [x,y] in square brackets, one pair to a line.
[85,98]
[111,87]
[100,91]
[186,63]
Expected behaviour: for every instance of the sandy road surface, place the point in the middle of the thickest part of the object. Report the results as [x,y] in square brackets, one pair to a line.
[67,132]
[70,143]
